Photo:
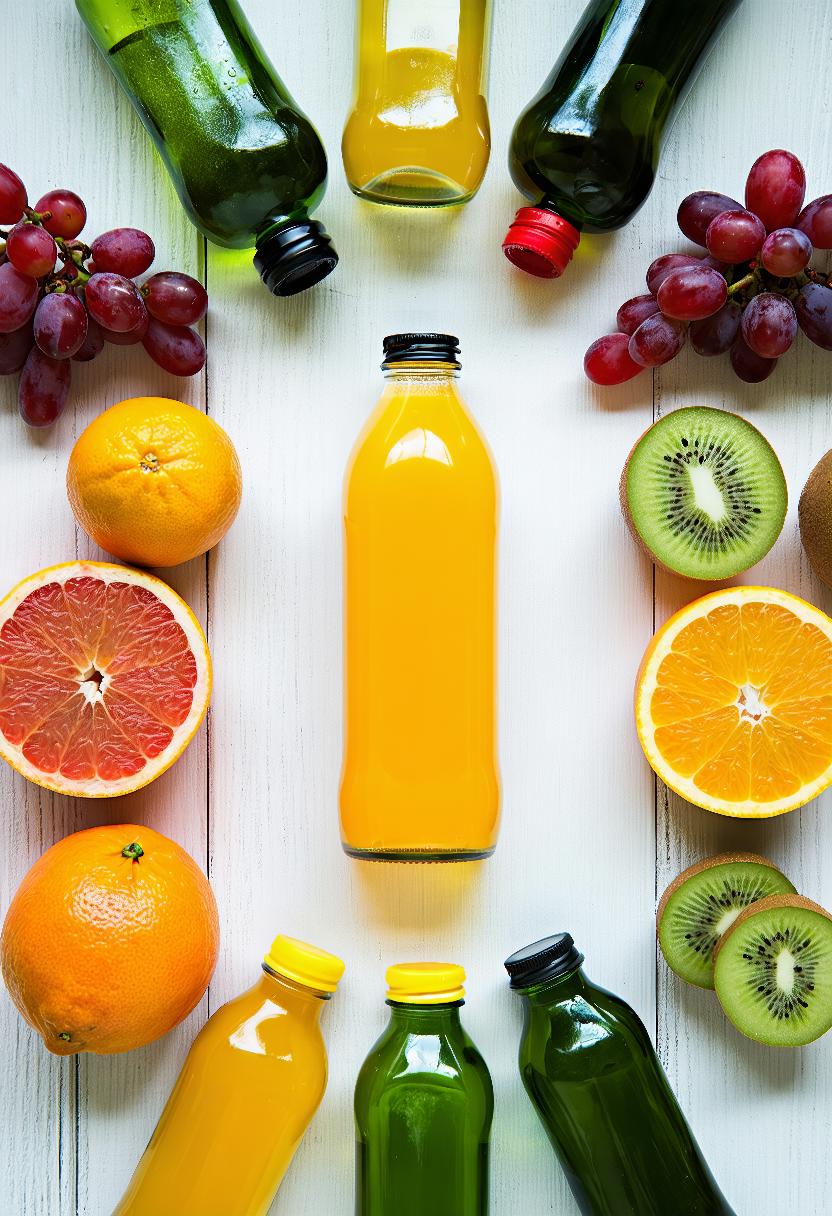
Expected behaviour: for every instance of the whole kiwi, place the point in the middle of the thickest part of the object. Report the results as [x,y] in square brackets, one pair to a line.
[815,516]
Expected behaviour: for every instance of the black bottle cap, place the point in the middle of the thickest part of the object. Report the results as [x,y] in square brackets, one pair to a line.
[295,256]
[542,961]
[420,348]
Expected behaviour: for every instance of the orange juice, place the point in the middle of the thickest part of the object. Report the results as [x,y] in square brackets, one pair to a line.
[420,779]
[248,1089]
[418,133]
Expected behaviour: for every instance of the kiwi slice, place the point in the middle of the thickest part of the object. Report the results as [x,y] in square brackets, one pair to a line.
[704,902]
[773,971]
[704,493]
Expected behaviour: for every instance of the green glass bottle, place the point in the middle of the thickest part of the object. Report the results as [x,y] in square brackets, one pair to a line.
[586,148]
[590,1069]
[247,164]
[423,1104]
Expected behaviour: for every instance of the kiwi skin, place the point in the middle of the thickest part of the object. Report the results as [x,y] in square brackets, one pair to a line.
[814,514]
[763,905]
[708,864]
[625,510]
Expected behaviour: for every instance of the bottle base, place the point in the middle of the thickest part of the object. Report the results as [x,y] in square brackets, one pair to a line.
[412,186]
[417,855]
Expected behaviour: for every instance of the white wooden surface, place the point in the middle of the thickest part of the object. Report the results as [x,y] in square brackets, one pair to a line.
[589,837]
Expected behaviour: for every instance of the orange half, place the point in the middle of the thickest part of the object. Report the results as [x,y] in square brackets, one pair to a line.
[105,676]
[733,702]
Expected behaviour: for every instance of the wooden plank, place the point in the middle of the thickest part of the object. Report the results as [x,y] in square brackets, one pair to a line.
[773,1097]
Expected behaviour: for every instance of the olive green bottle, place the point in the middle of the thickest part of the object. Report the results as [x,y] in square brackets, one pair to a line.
[423,1104]
[247,164]
[590,1069]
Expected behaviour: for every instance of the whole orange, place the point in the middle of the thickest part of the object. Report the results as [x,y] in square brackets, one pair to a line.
[110,940]
[154,482]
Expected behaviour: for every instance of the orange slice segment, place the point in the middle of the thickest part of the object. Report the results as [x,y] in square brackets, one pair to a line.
[105,676]
[733,702]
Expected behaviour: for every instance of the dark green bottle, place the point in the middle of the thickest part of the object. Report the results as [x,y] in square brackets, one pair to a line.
[590,1069]
[586,148]
[247,164]
[423,1104]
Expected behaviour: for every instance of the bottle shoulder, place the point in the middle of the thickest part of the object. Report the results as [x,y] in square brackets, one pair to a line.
[402,1057]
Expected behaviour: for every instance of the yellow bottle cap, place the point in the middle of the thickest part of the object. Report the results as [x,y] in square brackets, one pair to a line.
[304,964]
[425,983]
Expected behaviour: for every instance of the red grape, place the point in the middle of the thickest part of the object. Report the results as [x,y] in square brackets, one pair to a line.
[133,336]
[775,189]
[814,314]
[769,325]
[126,251]
[177,349]
[632,312]
[816,221]
[31,250]
[13,196]
[114,301]
[657,340]
[608,360]
[786,252]
[60,325]
[750,367]
[44,386]
[698,209]
[659,269]
[692,293]
[68,213]
[715,334]
[14,349]
[93,343]
[18,296]
[715,264]
[735,236]
[175,298]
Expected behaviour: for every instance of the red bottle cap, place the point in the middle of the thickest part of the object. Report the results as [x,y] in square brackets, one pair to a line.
[540,242]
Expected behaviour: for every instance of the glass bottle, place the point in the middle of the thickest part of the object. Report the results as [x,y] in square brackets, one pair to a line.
[586,148]
[419,779]
[247,164]
[590,1069]
[253,1079]
[423,1104]
[418,132]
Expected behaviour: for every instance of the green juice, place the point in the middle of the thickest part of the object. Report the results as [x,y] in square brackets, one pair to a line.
[247,164]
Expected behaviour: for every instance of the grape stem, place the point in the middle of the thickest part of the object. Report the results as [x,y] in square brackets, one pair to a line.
[747,281]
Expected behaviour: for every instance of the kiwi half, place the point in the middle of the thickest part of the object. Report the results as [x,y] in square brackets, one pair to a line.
[704,902]
[773,971]
[704,493]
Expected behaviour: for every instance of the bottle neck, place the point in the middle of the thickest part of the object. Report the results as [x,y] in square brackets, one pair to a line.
[562,987]
[425,1019]
[295,998]
[420,370]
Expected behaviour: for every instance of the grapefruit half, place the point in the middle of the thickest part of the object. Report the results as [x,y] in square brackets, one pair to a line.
[105,676]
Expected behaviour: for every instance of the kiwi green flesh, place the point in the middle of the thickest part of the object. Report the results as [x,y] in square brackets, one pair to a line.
[705,493]
[773,976]
[704,907]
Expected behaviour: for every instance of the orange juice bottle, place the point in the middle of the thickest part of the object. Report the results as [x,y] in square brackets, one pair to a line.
[248,1089]
[420,779]
[418,133]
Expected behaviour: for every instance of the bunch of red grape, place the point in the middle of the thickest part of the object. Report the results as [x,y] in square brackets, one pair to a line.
[747,296]
[50,316]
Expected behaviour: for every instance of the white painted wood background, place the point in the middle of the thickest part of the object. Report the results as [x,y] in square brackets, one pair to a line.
[588,836]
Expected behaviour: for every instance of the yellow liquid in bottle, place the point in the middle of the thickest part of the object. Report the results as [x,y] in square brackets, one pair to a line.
[418,133]
[420,779]
[248,1089]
